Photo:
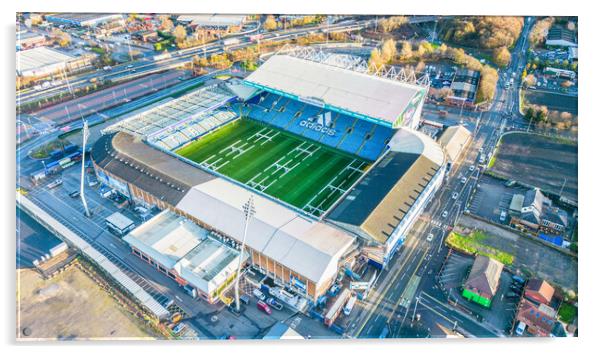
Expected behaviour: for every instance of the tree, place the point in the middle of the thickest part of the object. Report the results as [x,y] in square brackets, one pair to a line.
[376,59]
[501,56]
[270,23]
[180,33]
[166,23]
[530,80]
[406,50]
[389,50]
[540,31]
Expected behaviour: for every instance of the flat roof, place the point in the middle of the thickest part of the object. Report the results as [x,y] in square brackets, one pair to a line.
[40,57]
[82,17]
[308,247]
[166,238]
[213,19]
[379,202]
[454,139]
[360,93]
[119,220]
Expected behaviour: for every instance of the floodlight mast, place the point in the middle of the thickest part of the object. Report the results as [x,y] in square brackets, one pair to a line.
[85,134]
[249,210]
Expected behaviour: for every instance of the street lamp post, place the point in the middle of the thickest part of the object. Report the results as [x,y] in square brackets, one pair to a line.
[249,211]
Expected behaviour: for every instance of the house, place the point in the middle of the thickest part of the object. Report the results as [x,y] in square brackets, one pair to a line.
[561,37]
[483,281]
[539,291]
[540,319]
[553,220]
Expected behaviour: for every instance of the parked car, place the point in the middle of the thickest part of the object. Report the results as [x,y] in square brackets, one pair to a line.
[503,216]
[444,215]
[455,195]
[463,180]
[262,306]
[520,329]
[179,328]
[275,304]
[245,299]
[74,194]
[259,294]
[517,279]
[471,168]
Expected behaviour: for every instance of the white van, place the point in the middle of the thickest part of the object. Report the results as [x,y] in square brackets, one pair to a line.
[520,329]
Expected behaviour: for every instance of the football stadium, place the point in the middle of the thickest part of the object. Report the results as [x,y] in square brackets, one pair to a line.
[325,145]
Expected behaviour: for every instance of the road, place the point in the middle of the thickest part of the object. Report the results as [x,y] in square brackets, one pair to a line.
[403,287]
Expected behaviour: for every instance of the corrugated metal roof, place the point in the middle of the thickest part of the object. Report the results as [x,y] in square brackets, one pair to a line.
[356,92]
[39,57]
[379,202]
[308,247]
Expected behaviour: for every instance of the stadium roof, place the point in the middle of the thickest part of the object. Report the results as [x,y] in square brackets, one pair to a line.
[146,167]
[353,92]
[40,57]
[379,202]
[454,139]
[308,247]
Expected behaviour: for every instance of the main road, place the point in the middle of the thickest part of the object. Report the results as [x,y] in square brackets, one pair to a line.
[389,306]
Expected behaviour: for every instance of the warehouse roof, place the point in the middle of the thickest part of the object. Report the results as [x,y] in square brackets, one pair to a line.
[119,220]
[354,92]
[379,202]
[308,247]
[130,159]
[453,140]
[213,20]
[40,57]
[484,276]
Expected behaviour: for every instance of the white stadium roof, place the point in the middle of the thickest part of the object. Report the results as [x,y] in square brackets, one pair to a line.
[308,247]
[362,93]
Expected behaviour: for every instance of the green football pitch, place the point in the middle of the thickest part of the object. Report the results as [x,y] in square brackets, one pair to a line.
[302,173]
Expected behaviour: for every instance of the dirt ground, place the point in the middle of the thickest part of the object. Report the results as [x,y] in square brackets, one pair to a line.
[70,306]
[538,161]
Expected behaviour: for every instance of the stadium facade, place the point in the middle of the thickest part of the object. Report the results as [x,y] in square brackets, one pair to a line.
[324,144]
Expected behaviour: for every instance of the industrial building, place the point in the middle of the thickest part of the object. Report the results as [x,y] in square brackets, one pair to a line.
[187,253]
[213,22]
[28,40]
[42,61]
[83,19]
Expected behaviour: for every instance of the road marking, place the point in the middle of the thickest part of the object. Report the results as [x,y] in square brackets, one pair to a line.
[413,241]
